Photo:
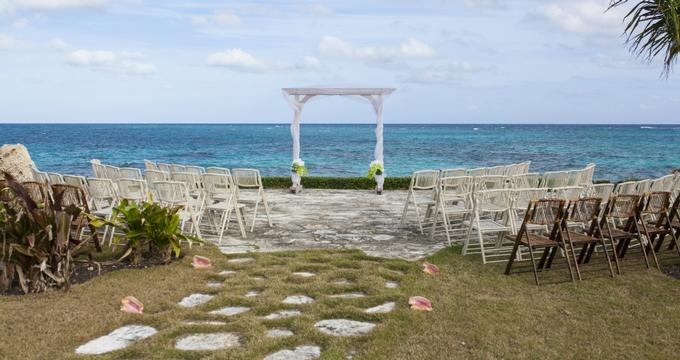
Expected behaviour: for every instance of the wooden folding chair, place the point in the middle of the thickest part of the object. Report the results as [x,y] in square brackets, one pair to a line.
[548,213]
[656,209]
[625,209]
[585,213]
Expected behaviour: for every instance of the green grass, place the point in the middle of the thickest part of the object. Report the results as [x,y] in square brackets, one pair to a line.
[478,312]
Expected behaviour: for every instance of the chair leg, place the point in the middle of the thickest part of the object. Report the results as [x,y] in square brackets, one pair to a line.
[533,264]
[434,222]
[257,202]
[480,236]
[420,223]
[266,208]
[468,235]
[403,214]
[513,254]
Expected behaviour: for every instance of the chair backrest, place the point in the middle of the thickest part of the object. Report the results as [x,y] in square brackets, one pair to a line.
[55,178]
[493,201]
[218,170]
[192,181]
[424,180]
[163,167]
[587,175]
[523,168]
[98,170]
[176,168]
[70,195]
[602,191]
[40,176]
[664,183]
[112,172]
[521,198]
[490,182]
[573,177]
[544,212]
[132,189]
[102,192]
[196,170]
[247,178]
[626,188]
[218,186]
[525,181]
[75,180]
[456,186]
[656,203]
[567,193]
[129,173]
[445,173]
[585,210]
[150,165]
[622,206]
[152,176]
[497,170]
[554,179]
[476,172]
[37,191]
[643,186]
[172,192]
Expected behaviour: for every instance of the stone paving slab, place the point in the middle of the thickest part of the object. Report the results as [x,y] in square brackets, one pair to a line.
[335,219]
[116,340]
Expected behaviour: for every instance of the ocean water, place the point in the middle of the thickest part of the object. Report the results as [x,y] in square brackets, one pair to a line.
[620,151]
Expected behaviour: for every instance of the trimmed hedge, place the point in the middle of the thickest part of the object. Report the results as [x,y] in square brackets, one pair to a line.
[349,183]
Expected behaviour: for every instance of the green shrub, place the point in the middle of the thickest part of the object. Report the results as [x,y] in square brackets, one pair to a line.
[349,183]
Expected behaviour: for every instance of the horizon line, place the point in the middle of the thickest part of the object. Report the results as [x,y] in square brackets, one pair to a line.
[328,123]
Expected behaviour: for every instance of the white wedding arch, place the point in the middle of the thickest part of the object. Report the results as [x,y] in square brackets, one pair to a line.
[298,97]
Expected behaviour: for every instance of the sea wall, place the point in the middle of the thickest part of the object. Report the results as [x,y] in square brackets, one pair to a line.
[15,159]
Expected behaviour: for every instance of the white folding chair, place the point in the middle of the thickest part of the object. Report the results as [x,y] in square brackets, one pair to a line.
[175,193]
[490,182]
[75,180]
[103,198]
[40,176]
[453,199]
[447,173]
[218,170]
[421,181]
[152,176]
[222,198]
[150,165]
[54,178]
[525,181]
[163,167]
[476,172]
[498,170]
[664,183]
[554,179]
[587,175]
[132,190]
[520,200]
[491,215]
[98,170]
[129,173]
[196,170]
[112,172]
[176,168]
[626,188]
[250,179]
[194,186]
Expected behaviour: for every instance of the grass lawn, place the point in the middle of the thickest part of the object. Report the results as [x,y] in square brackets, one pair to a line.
[478,312]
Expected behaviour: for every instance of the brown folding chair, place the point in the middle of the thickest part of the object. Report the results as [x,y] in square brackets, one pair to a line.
[625,209]
[585,212]
[674,216]
[656,208]
[547,213]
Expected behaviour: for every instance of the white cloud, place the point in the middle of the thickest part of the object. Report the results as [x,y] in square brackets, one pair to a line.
[241,61]
[587,18]
[483,3]
[450,72]
[6,42]
[410,49]
[320,10]
[21,23]
[218,18]
[119,62]
[59,44]
[8,7]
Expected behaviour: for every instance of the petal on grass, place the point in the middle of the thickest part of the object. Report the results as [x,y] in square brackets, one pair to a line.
[130,304]
[420,303]
[201,262]
[431,269]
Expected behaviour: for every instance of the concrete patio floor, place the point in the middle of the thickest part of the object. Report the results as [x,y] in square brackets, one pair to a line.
[332,219]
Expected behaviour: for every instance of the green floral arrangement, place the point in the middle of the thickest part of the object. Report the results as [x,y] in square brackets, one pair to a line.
[376,168]
[299,168]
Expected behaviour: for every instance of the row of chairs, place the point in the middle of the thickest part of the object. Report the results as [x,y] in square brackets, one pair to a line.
[628,222]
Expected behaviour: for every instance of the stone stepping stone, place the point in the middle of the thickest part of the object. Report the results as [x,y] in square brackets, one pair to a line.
[214,284]
[209,341]
[252,293]
[195,300]
[259,278]
[391,284]
[354,295]
[304,274]
[206,322]
[226,272]
[278,333]
[305,352]
[282,314]
[240,260]
[116,340]
[342,282]
[344,327]
[381,309]
[383,237]
[230,310]
[298,299]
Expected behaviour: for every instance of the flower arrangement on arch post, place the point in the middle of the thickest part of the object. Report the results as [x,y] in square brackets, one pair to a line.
[299,168]
[376,168]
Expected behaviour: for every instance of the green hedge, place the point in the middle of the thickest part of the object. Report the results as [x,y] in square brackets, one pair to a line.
[350,183]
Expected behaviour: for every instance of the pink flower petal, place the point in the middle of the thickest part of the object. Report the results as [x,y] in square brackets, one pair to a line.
[201,262]
[420,303]
[130,304]
[430,268]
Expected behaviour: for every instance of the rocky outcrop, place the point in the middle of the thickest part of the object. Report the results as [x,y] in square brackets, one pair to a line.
[15,160]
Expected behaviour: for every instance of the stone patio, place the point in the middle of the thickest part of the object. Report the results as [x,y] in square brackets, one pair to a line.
[333,219]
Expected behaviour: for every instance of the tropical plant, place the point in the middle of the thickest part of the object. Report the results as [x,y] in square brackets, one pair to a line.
[376,168]
[38,246]
[653,28]
[149,230]
[299,168]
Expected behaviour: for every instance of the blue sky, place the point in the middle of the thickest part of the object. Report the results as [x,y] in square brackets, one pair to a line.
[452,61]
